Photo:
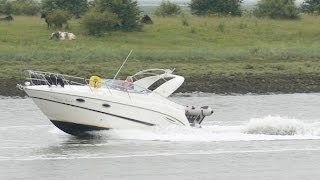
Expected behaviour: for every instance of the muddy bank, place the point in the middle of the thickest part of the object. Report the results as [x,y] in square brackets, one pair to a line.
[8,87]
[257,83]
[222,84]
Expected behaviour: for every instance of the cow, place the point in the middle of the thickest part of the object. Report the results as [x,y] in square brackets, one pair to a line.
[146,19]
[7,18]
[45,17]
[62,36]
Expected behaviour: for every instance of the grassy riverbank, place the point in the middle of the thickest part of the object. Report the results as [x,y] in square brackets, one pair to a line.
[208,49]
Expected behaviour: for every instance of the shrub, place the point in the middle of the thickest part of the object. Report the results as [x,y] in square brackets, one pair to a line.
[25,7]
[96,23]
[6,7]
[127,11]
[20,7]
[221,27]
[58,18]
[184,20]
[311,6]
[74,7]
[32,8]
[193,30]
[277,9]
[220,7]
[168,8]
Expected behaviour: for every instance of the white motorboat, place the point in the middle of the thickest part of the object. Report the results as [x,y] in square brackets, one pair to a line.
[78,105]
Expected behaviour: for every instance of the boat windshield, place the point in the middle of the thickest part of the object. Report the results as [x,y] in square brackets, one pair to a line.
[123,85]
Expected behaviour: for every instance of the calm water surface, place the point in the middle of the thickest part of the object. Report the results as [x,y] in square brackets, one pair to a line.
[248,137]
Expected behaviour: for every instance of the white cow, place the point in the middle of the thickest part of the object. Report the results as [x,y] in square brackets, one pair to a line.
[62,36]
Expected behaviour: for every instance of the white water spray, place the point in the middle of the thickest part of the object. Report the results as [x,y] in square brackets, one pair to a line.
[267,128]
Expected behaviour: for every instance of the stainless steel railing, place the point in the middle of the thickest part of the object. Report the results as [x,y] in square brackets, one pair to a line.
[50,79]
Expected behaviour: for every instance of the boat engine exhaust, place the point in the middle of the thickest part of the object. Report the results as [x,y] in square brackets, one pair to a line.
[195,115]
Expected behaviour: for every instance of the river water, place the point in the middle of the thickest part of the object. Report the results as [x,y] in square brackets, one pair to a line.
[248,137]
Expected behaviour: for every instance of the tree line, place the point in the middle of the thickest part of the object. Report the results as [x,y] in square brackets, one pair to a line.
[100,16]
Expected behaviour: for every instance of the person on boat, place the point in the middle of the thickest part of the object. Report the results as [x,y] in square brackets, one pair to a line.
[128,83]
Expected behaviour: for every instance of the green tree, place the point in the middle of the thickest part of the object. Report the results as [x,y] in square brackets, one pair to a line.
[96,23]
[58,18]
[126,10]
[168,8]
[311,6]
[6,7]
[74,7]
[277,9]
[219,7]
[25,7]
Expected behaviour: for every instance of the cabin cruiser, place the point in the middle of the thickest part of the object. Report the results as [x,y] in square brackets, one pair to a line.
[79,105]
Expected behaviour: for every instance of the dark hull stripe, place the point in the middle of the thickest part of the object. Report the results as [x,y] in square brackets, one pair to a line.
[113,102]
[76,129]
[126,118]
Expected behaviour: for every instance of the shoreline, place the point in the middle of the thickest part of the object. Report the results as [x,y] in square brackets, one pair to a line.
[223,84]
[247,55]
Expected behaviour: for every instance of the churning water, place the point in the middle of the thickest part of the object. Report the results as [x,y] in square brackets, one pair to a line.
[248,137]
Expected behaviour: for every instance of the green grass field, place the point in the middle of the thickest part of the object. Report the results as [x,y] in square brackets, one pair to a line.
[208,45]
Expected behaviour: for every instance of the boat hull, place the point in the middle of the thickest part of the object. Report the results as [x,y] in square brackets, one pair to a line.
[76,129]
[76,114]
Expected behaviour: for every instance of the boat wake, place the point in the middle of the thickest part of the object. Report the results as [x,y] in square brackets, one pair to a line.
[267,128]
[276,125]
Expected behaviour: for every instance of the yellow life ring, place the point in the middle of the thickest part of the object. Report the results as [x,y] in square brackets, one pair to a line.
[95,82]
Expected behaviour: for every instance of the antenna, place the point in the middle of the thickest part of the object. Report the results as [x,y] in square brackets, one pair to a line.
[122,65]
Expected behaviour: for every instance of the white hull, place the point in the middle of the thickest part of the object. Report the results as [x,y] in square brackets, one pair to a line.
[78,105]
[102,109]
